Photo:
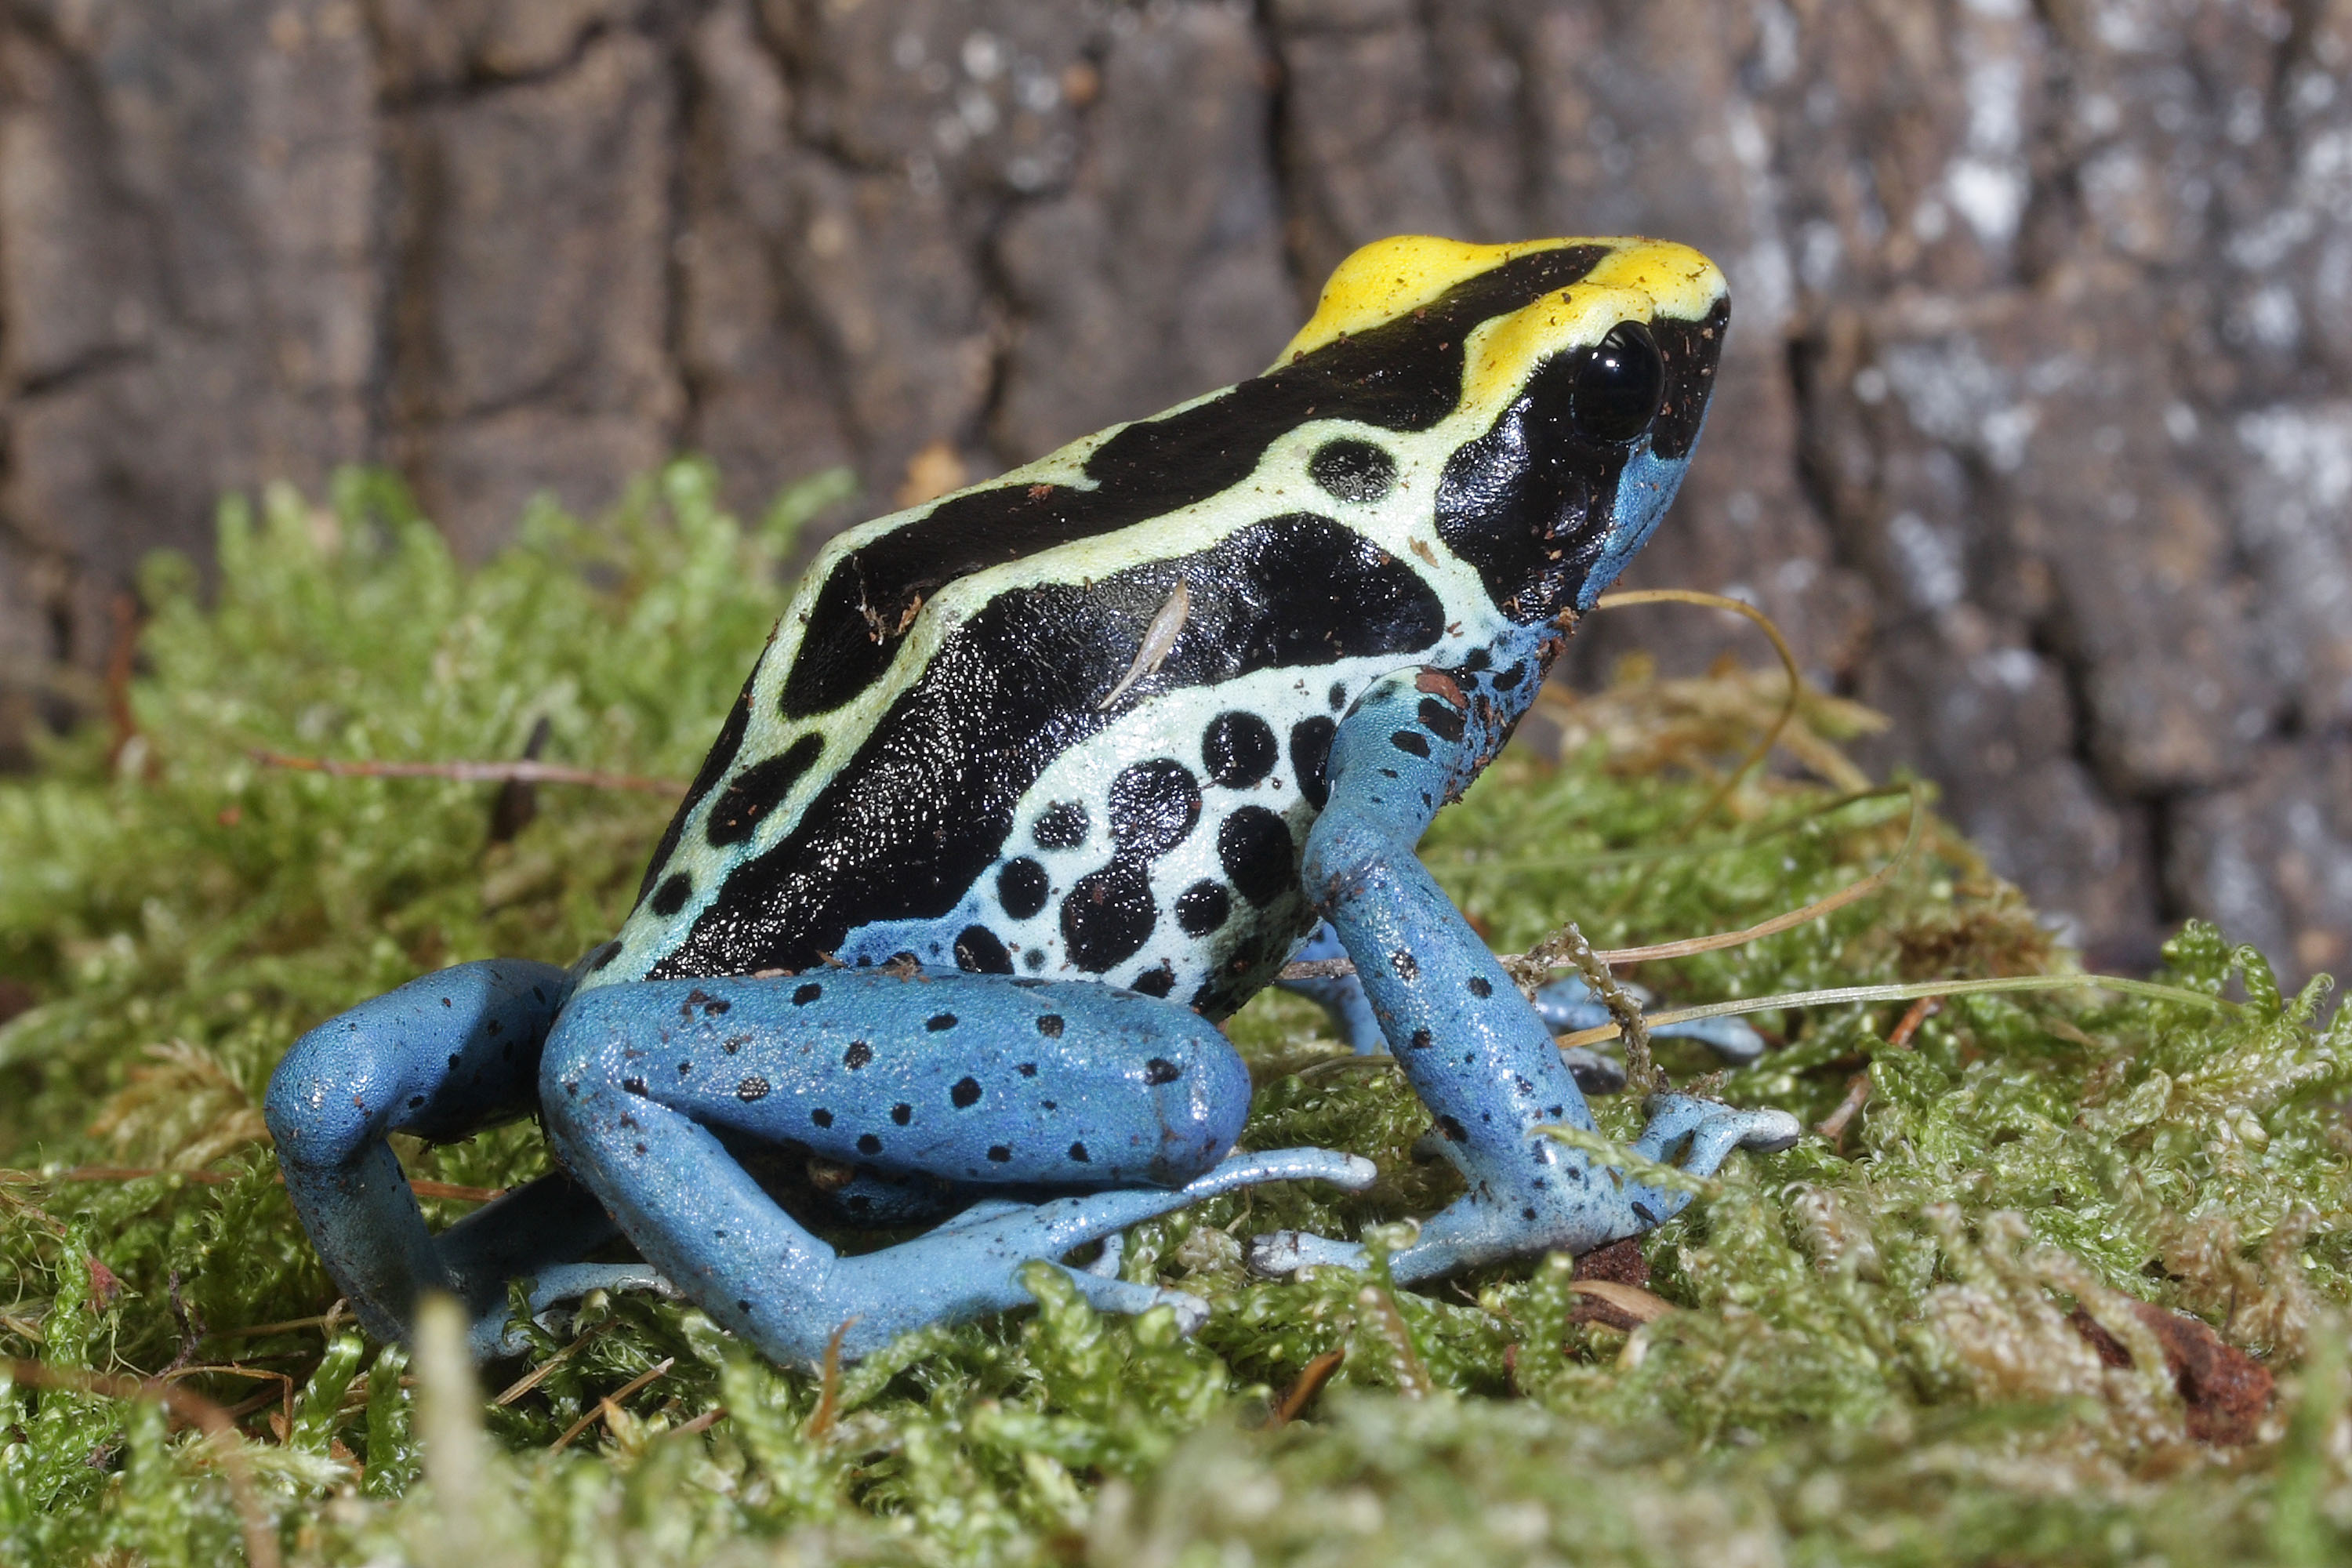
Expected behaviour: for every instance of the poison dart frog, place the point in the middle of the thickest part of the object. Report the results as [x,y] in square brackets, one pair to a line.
[1032,786]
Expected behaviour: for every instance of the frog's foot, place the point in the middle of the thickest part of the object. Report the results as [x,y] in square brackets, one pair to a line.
[494,1334]
[1280,1252]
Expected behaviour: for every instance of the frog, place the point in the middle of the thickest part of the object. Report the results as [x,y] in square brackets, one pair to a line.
[1032,787]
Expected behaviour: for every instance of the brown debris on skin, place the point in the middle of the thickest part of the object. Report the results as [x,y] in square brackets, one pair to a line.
[2227,1391]
[1619,1263]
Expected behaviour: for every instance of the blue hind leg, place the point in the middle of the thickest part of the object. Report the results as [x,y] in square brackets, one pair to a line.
[1476,1054]
[1125,1105]
[441,1057]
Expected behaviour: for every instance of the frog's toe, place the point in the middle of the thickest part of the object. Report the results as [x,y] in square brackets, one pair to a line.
[1110,1294]
[1352,1172]
[1703,1131]
[1281,1252]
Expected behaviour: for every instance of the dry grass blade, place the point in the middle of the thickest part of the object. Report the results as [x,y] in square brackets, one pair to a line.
[472,772]
[1781,922]
[259,1529]
[611,1402]
[538,1375]
[1771,737]
[1857,1089]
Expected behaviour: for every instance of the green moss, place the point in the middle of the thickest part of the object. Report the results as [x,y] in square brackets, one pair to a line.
[1870,1359]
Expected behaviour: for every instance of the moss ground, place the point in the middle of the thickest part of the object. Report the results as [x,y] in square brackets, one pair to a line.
[1870,1356]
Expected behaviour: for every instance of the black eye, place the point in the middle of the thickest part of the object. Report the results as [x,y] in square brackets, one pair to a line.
[1620,384]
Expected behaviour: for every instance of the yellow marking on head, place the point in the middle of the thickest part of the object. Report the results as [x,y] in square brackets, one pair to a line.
[1639,279]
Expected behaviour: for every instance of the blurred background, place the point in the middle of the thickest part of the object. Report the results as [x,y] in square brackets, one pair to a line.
[2035,429]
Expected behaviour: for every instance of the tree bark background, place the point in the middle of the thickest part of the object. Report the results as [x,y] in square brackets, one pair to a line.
[2035,429]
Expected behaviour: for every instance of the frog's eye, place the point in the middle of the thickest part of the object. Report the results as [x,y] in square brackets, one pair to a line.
[1620,384]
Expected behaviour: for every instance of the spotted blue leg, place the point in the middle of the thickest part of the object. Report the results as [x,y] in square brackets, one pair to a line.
[441,1057]
[1477,1055]
[1068,1111]
[1565,1005]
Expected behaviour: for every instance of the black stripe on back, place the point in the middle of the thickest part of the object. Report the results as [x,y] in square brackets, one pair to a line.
[1404,374]
[926,806]
[714,767]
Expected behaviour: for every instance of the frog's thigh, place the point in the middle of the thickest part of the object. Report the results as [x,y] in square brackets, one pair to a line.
[968,1079]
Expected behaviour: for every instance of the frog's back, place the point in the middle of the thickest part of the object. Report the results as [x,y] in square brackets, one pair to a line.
[1072,722]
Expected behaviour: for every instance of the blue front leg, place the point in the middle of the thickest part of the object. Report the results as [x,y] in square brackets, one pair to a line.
[1565,1005]
[442,1058]
[1475,1052]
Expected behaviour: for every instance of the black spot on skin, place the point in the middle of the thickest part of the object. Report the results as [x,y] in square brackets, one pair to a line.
[750,794]
[1407,968]
[804,995]
[1157,982]
[414,1100]
[671,896]
[1310,755]
[999,1153]
[902,1113]
[1202,908]
[1420,1041]
[1453,1131]
[1154,806]
[1062,825]
[1404,374]
[1509,676]
[923,808]
[1411,742]
[1160,1070]
[1352,471]
[1479,987]
[1050,1026]
[822,1117]
[1021,887]
[1078,1153]
[1643,1212]
[1108,916]
[1338,695]
[965,1094]
[714,768]
[978,950]
[868,1145]
[1528,1213]
[753,1087]
[1254,847]
[938,1022]
[858,1054]
[1441,719]
[1239,749]
[744,1306]
[635,1086]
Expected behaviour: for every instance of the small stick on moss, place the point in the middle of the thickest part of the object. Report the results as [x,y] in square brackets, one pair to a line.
[828,1397]
[523,771]
[1642,1306]
[702,1423]
[612,1403]
[1857,1090]
[1567,945]
[538,1375]
[195,1410]
[1310,1382]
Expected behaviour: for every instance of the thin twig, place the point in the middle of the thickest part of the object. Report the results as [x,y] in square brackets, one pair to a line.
[702,1423]
[196,1410]
[611,1402]
[1857,1089]
[523,771]
[1310,1382]
[828,1397]
[538,1375]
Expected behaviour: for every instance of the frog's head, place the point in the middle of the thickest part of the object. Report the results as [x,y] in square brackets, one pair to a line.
[1573,375]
